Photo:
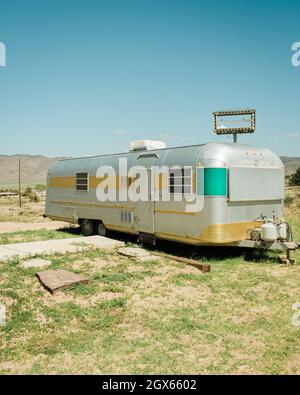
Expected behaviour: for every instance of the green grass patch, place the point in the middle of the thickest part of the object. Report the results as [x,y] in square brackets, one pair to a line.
[36,235]
[157,317]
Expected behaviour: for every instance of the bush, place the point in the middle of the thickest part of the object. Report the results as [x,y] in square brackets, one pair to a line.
[27,192]
[10,190]
[40,187]
[34,197]
[31,195]
[288,200]
[295,178]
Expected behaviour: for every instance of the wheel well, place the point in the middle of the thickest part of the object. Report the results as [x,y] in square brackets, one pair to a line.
[97,221]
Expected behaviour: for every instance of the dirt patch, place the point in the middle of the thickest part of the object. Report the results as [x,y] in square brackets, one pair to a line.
[21,367]
[11,227]
[83,301]
[250,315]
[293,366]
[93,266]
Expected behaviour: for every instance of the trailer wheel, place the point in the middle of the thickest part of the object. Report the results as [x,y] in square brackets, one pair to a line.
[102,229]
[87,227]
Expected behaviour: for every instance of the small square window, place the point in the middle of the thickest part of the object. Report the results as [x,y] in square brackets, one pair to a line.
[180,180]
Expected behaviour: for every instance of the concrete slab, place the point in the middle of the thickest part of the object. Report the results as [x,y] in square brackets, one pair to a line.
[6,253]
[134,252]
[54,280]
[36,262]
[74,244]
[138,253]
[149,258]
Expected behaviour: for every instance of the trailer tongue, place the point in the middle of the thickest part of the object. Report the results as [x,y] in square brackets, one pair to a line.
[273,235]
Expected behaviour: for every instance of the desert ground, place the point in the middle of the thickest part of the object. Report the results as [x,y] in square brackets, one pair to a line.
[157,316]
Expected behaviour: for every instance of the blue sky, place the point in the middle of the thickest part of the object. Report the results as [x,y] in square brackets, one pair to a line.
[88,77]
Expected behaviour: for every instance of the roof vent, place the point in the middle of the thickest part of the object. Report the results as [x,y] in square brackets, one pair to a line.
[146,145]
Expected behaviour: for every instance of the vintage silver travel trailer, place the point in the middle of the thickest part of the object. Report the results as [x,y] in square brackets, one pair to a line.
[239,190]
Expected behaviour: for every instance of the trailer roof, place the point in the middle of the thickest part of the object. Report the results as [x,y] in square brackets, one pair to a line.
[236,145]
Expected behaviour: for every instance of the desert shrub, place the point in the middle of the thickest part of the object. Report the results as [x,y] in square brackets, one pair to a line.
[31,195]
[34,197]
[11,190]
[295,178]
[27,191]
[288,200]
[40,187]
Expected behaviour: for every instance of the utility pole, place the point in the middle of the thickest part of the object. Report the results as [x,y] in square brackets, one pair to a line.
[20,199]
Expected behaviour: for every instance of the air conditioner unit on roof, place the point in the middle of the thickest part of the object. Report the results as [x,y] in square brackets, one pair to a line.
[146,145]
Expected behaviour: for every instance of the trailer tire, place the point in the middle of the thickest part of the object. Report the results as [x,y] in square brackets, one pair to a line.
[102,231]
[87,227]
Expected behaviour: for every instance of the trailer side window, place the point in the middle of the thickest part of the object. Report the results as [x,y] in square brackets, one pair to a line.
[82,181]
[180,180]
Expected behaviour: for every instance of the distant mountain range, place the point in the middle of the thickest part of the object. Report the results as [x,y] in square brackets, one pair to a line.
[34,168]
[291,164]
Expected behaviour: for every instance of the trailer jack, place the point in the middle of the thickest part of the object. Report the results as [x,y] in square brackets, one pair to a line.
[287,259]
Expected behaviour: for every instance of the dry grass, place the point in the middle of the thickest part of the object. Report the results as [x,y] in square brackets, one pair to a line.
[292,201]
[152,317]
[155,317]
[28,224]
[29,212]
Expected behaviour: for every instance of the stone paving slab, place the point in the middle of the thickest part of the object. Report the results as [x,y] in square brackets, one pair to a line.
[134,252]
[6,253]
[54,280]
[23,250]
[138,253]
[36,262]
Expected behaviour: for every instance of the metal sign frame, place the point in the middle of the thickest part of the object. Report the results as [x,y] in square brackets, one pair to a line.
[237,130]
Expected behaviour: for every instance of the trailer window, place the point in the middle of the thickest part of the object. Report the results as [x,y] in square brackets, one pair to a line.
[180,180]
[82,181]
